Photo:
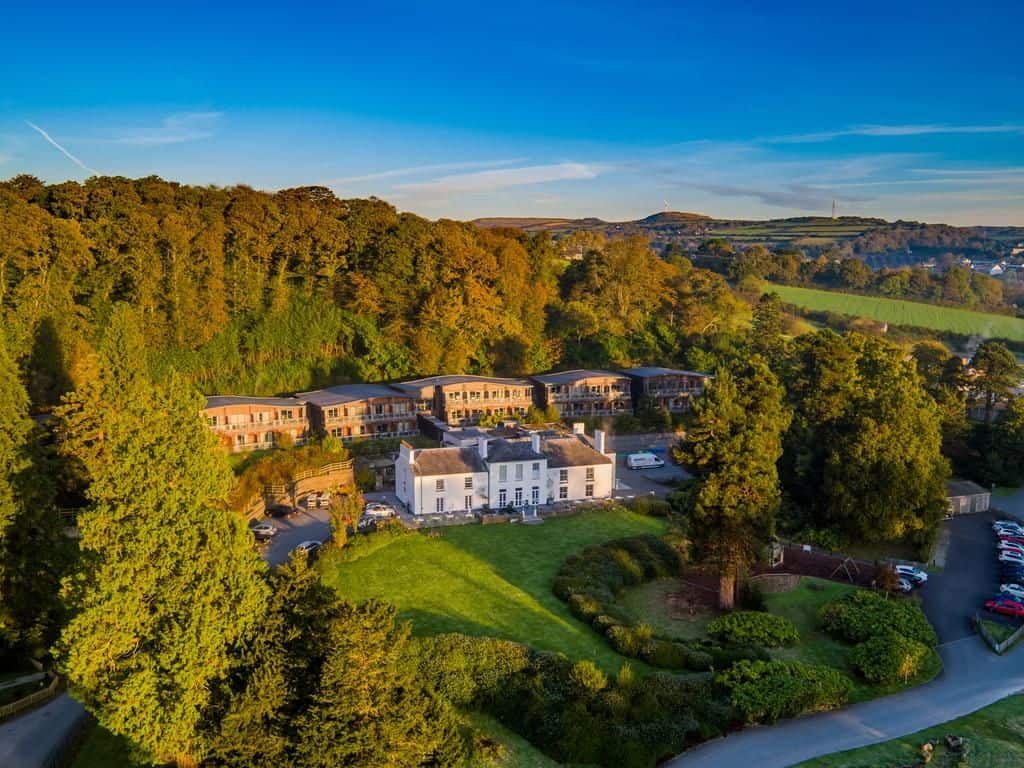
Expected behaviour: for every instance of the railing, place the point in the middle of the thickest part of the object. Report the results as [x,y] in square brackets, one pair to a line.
[326,469]
[31,700]
[257,425]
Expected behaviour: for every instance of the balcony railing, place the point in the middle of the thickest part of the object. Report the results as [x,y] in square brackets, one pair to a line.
[258,425]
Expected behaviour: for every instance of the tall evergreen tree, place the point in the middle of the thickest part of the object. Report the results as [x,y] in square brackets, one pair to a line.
[733,444]
[168,584]
[995,373]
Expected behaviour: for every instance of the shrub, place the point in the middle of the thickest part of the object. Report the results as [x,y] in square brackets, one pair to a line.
[604,622]
[651,506]
[765,691]
[861,615]
[751,597]
[751,627]
[467,669]
[724,656]
[587,677]
[889,658]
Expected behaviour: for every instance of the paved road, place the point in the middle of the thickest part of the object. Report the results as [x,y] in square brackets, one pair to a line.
[34,740]
[973,677]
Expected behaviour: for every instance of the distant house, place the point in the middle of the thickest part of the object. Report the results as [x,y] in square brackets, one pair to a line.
[354,411]
[251,423]
[500,473]
[462,399]
[666,388]
[965,497]
[583,393]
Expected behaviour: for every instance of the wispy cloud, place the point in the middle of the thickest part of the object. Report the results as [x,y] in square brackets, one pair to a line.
[177,129]
[785,196]
[419,170]
[488,181]
[1007,171]
[913,129]
[63,151]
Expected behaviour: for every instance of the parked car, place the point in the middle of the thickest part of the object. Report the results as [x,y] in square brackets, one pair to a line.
[379,509]
[263,531]
[1003,544]
[1014,590]
[644,460]
[1005,607]
[1013,530]
[1010,523]
[283,510]
[366,524]
[1013,539]
[308,547]
[903,585]
[911,573]
[1008,556]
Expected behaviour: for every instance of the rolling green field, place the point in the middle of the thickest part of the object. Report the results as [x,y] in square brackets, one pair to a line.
[491,580]
[900,312]
[995,736]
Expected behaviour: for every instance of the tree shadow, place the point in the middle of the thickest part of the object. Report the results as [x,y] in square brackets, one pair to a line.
[48,376]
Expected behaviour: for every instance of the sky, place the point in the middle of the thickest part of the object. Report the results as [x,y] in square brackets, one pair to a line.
[757,109]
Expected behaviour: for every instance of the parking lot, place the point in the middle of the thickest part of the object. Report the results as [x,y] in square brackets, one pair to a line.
[970,577]
[644,482]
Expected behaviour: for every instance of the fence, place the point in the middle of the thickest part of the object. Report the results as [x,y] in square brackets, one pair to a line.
[47,693]
[999,647]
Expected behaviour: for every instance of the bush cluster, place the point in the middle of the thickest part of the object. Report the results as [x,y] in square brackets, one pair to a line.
[652,506]
[752,627]
[765,691]
[893,636]
[575,712]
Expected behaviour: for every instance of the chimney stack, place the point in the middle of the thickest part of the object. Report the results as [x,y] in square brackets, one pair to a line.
[578,428]
[405,453]
[481,446]
[599,440]
[535,441]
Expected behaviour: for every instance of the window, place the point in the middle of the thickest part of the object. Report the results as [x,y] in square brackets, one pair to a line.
[563,476]
[378,410]
[519,471]
[362,430]
[289,414]
[469,502]
[439,504]
[211,420]
[502,498]
[563,493]
[588,491]
[336,432]
[503,473]
[535,495]
[519,497]
[590,474]
[439,486]
[535,471]
[468,482]
[268,438]
[239,439]
[332,413]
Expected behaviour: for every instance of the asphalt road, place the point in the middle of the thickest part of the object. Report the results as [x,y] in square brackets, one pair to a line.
[35,739]
[973,677]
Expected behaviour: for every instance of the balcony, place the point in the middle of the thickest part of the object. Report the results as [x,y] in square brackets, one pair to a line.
[258,425]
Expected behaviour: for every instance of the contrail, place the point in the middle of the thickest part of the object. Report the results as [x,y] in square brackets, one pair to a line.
[66,154]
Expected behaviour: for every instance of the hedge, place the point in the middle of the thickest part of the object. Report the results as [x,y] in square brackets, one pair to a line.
[889,658]
[752,627]
[765,691]
[862,615]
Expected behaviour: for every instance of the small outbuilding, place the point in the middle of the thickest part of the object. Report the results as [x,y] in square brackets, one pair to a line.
[965,497]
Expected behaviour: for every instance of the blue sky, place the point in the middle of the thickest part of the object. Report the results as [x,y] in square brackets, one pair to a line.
[900,109]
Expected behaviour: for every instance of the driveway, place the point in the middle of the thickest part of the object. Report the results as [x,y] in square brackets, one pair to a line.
[972,677]
[36,739]
[646,482]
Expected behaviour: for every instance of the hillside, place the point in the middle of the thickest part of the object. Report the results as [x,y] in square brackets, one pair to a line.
[880,242]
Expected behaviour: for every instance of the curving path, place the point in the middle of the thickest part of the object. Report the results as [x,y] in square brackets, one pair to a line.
[37,738]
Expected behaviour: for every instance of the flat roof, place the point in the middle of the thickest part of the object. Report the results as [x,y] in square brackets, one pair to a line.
[459,378]
[955,488]
[568,377]
[349,393]
[447,461]
[218,401]
[648,371]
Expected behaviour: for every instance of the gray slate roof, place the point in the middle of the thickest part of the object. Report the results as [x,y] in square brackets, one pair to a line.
[447,461]
[649,371]
[571,377]
[349,393]
[217,401]
[458,378]
[572,452]
[512,450]
[956,488]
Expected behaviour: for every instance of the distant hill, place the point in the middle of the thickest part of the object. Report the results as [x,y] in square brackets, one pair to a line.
[879,241]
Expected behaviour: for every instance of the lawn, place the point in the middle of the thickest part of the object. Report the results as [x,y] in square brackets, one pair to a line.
[995,736]
[801,606]
[491,580]
[102,749]
[646,604]
[900,312]
[515,752]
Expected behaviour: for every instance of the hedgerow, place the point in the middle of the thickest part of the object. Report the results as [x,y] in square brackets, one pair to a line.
[765,691]
[861,615]
[754,628]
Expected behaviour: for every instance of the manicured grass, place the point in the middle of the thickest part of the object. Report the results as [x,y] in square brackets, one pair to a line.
[516,751]
[1000,632]
[801,606]
[646,604]
[886,550]
[491,580]
[102,749]
[900,312]
[995,736]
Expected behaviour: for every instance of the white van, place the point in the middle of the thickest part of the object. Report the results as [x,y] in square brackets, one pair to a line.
[644,460]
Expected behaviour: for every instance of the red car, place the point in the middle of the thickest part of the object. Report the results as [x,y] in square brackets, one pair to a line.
[1005,607]
[1012,539]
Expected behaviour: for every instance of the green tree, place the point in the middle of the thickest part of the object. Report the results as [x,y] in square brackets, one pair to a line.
[995,372]
[733,444]
[168,585]
[766,328]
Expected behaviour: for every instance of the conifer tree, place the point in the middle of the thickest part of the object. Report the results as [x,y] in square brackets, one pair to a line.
[168,583]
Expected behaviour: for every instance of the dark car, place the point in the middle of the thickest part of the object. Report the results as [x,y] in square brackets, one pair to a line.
[283,510]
